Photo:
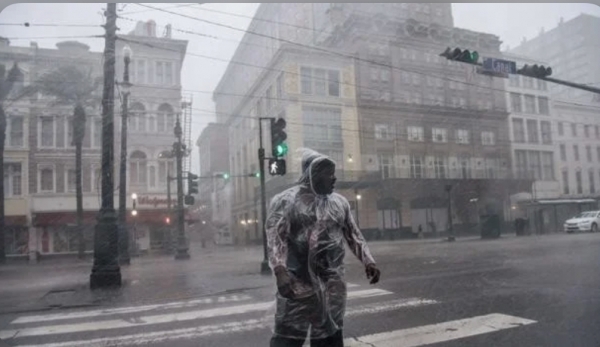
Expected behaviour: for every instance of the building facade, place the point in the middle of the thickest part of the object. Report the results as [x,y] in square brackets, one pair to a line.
[371,92]
[46,153]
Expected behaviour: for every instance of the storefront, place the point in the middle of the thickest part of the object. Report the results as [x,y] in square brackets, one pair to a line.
[16,236]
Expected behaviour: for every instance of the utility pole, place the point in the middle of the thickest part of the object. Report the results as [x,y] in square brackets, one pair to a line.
[182,249]
[124,257]
[451,237]
[106,271]
[264,266]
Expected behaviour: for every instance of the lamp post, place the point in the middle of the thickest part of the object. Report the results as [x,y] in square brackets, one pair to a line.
[182,249]
[135,248]
[124,258]
[358,197]
[106,271]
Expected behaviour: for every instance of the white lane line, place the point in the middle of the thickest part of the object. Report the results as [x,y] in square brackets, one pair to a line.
[127,310]
[225,328]
[441,332]
[352,285]
[160,319]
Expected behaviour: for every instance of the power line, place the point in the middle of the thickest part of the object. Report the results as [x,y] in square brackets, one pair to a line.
[167,7]
[28,24]
[56,37]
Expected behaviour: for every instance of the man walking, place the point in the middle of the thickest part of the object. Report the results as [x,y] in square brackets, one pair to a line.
[306,229]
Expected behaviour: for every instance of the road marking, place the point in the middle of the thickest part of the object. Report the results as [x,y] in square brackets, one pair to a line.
[225,328]
[127,310]
[160,319]
[441,332]
[352,285]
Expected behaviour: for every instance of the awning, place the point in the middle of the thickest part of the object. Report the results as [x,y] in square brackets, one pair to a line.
[15,220]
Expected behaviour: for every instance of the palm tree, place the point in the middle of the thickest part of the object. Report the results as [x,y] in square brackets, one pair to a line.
[6,88]
[69,85]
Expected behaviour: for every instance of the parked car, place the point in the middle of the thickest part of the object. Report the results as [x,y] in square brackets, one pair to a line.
[586,221]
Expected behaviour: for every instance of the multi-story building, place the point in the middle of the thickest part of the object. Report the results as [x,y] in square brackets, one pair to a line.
[572,50]
[532,132]
[47,133]
[369,89]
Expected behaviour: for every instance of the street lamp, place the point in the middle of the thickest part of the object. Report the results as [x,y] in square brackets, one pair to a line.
[124,257]
[106,271]
[134,213]
[358,197]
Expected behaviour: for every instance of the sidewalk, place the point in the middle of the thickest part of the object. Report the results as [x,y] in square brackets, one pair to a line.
[149,279]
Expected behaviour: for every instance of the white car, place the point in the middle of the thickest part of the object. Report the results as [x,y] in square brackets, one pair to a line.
[586,221]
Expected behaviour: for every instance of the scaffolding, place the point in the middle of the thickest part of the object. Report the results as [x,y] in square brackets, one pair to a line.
[186,110]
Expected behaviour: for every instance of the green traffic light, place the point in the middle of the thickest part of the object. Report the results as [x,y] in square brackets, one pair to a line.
[474,56]
[257,175]
[225,175]
[282,150]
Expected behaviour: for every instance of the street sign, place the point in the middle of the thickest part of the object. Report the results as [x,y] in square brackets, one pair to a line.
[277,167]
[499,66]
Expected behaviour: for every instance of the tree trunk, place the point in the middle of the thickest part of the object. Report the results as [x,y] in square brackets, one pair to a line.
[78,134]
[2,222]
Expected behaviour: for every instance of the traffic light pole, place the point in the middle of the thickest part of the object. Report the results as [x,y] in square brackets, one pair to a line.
[182,249]
[264,266]
[571,84]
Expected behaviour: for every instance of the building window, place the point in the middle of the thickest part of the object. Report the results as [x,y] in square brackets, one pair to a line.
[573,129]
[548,166]
[159,73]
[543,106]
[415,134]
[586,131]
[529,104]
[588,152]
[513,80]
[462,136]
[382,132]
[322,128]
[491,168]
[320,81]
[137,168]
[565,179]
[12,179]
[140,71]
[518,130]
[416,166]
[46,180]
[15,131]
[385,165]
[561,129]
[521,164]
[546,132]
[579,183]
[528,82]
[47,131]
[440,165]
[165,120]
[532,131]
[169,73]
[592,182]
[576,152]
[71,180]
[515,102]
[97,132]
[563,152]
[389,219]
[488,138]
[535,164]
[439,135]
[137,118]
[542,85]
[465,167]
[165,167]
[152,176]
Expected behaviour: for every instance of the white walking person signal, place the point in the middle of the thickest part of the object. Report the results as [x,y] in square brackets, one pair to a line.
[274,167]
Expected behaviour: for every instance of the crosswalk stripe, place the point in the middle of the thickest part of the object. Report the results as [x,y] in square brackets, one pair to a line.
[224,328]
[126,310]
[161,319]
[441,332]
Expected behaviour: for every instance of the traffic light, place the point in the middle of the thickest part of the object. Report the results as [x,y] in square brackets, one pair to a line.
[256,174]
[458,54]
[277,167]
[536,71]
[278,137]
[192,183]
[223,175]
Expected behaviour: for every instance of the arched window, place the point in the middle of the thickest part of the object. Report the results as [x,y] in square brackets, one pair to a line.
[137,117]
[138,168]
[166,166]
[166,119]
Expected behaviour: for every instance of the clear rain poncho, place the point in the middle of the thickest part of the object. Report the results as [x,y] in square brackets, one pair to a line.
[305,235]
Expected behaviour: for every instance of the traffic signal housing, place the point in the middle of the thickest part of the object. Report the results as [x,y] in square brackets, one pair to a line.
[192,183]
[278,137]
[536,71]
[277,167]
[223,175]
[464,56]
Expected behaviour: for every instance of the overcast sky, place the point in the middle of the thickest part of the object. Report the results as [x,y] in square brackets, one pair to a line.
[511,22]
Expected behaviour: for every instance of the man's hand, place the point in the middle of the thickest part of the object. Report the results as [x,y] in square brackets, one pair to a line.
[373,273]
[284,283]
